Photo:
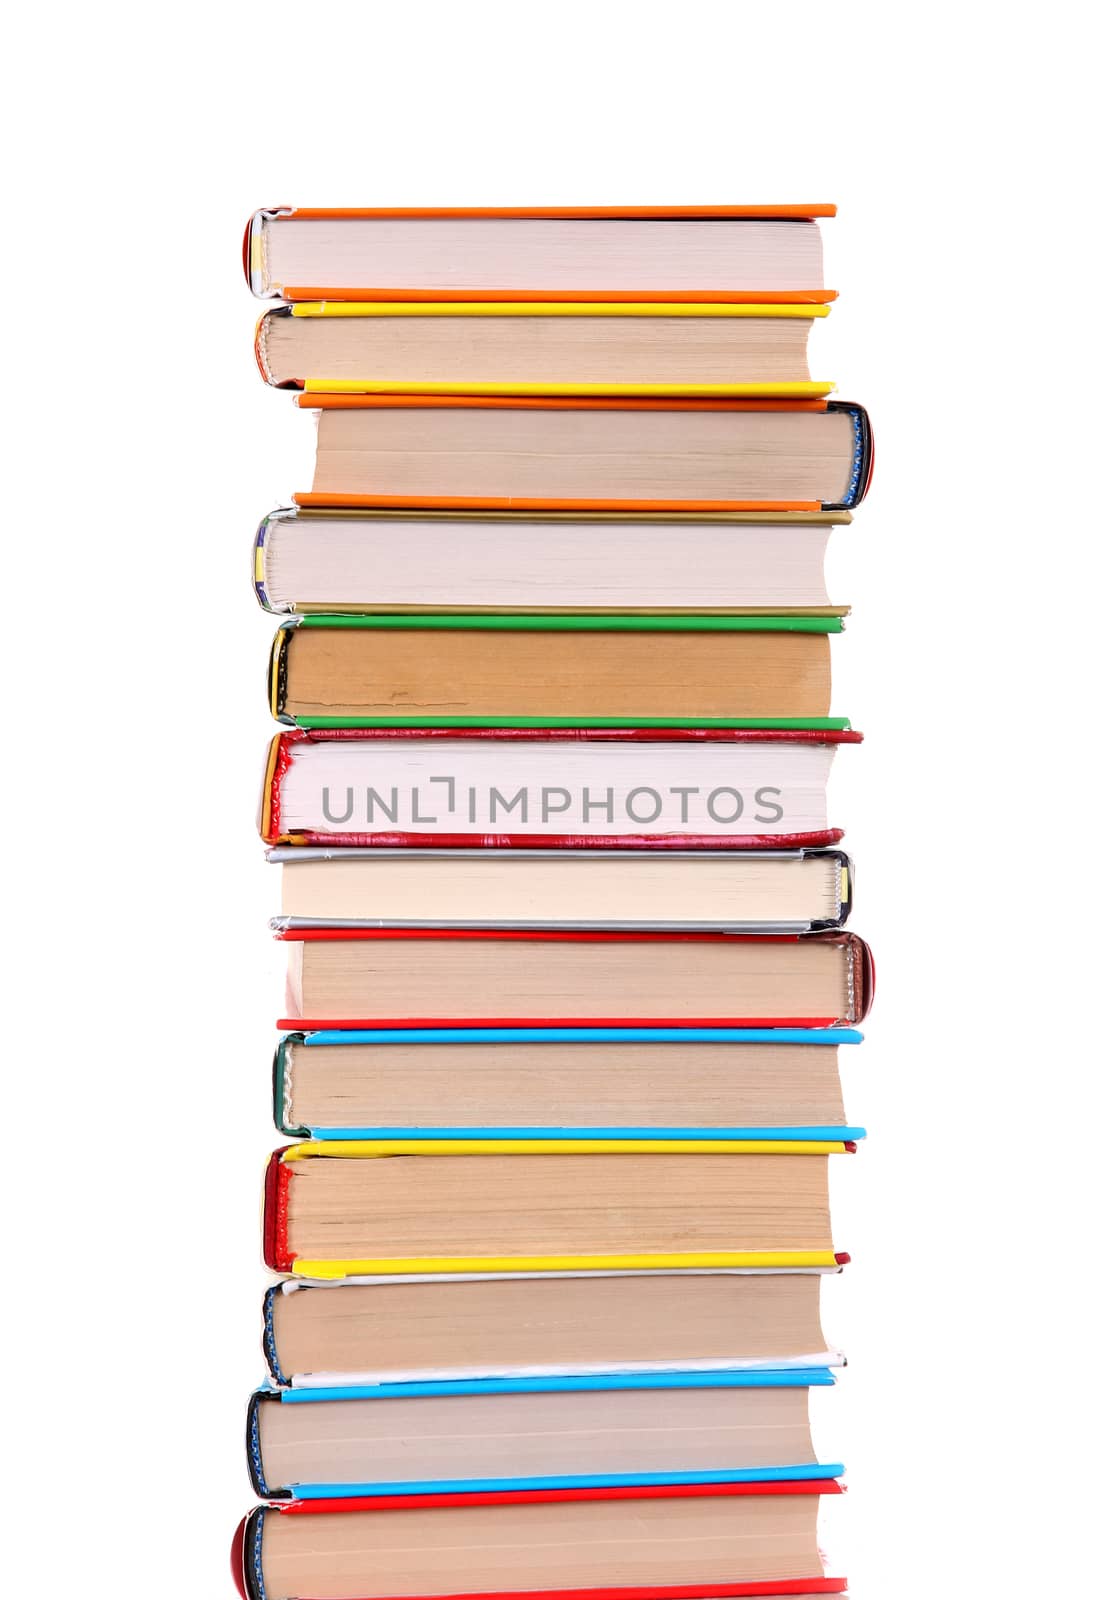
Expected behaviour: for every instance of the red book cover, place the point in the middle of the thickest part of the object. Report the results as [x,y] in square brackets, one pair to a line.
[246,1555]
[281,753]
[861,976]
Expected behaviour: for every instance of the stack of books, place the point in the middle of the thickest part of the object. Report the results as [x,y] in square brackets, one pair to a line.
[568,965]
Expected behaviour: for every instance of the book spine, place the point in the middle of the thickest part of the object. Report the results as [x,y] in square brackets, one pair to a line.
[859,973]
[277,669]
[276,1194]
[270,1346]
[253,1449]
[260,1486]
[861,464]
[262,335]
[282,1086]
[260,546]
[864,978]
[244,1556]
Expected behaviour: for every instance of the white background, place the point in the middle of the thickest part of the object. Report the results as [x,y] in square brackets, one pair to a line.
[142,449]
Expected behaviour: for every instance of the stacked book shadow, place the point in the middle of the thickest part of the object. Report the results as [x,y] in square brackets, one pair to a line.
[565,916]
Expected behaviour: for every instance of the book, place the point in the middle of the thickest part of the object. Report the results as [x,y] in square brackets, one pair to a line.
[657,786]
[743,891]
[345,1208]
[569,1431]
[567,960]
[671,1542]
[349,669]
[394,1329]
[422,977]
[725,563]
[616,253]
[728,1083]
[527,454]
[539,347]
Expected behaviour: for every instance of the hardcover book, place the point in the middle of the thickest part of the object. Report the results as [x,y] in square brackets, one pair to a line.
[537,1324]
[721,254]
[739,891]
[347,1208]
[726,563]
[579,1082]
[606,1430]
[539,347]
[348,670]
[694,1541]
[587,454]
[423,977]
[649,787]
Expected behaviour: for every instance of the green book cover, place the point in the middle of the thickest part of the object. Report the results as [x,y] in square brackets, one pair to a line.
[281,1072]
[574,622]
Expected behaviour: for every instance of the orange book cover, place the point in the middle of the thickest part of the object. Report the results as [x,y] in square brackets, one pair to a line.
[808,211]
[862,473]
